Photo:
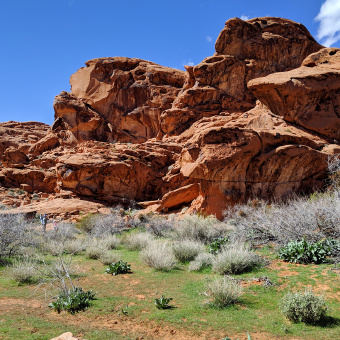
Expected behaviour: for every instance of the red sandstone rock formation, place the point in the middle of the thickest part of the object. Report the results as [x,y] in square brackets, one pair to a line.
[117,99]
[132,130]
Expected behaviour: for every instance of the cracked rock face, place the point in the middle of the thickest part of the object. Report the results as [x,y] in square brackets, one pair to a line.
[259,118]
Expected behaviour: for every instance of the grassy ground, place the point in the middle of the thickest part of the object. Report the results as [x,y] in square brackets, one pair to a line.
[24,312]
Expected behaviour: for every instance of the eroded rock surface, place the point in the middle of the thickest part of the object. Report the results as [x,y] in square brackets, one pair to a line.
[259,118]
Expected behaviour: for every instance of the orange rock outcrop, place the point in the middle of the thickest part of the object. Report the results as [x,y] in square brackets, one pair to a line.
[259,118]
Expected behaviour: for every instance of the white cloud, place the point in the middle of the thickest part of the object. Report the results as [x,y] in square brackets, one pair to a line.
[208,38]
[244,17]
[329,18]
[188,63]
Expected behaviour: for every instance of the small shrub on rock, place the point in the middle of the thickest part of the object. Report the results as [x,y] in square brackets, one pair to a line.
[303,307]
[187,250]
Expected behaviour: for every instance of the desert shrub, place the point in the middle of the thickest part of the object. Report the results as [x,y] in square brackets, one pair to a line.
[303,307]
[119,267]
[15,233]
[187,250]
[281,223]
[163,302]
[93,252]
[215,246]
[223,291]
[24,271]
[65,232]
[159,226]
[75,246]
[107,257]
[102,224]
[95,247]
[159,255]
[200,228]
[138,241]
[236,259]
[73,300]
[111,241]
[305,252]
[203,260]
[55,248]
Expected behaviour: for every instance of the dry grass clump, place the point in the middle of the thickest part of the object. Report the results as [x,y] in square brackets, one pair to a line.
[138,241]
[159,226]
[75,246]
[313,218]
[111,241]
[199,228]
[187,250]
[107,257]
[55,248]
[203,260]
[102,224]
[235,259]
[15,232]
[24,271]
[159,255]
[224,292]
[95,247]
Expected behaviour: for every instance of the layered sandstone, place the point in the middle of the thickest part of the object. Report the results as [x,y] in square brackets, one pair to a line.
[244,50]
[117,99]
[259,118]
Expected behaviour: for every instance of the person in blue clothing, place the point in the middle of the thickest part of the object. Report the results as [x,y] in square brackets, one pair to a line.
[43,220]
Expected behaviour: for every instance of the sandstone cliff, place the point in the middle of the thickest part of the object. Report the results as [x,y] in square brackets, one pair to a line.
[259,118]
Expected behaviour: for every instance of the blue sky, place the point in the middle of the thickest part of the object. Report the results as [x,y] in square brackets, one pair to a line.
[44,41]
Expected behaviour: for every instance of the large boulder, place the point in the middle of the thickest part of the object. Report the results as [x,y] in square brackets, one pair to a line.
[308,96]
[121,97]
[244,50]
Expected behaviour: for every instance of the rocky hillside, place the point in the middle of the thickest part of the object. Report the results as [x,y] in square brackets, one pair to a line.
[259,118]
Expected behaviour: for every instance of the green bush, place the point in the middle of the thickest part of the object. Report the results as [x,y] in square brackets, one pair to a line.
[303,307]
[119,267]
[73,301]
[215,246]
[305,252]
[163,302]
